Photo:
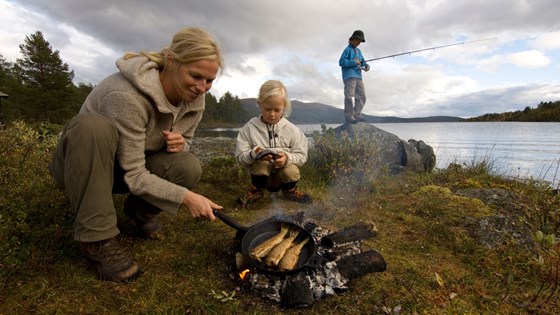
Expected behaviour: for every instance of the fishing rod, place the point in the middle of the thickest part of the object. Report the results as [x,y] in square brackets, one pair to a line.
[431,48]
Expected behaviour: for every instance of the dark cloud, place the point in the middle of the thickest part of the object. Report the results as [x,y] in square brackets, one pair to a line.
[300,43]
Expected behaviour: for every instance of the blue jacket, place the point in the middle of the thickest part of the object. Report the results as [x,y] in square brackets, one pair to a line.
[348,65]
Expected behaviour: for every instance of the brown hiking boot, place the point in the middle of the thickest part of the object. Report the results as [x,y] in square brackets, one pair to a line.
[149,227]
[296,195]
[109,260]
[251,196]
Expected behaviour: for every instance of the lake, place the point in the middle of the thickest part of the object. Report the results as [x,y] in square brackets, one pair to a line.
[517,149]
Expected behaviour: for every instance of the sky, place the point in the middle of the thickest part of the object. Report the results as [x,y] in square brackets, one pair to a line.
[513,63]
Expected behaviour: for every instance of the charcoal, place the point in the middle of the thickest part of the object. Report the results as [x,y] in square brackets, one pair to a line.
[297,291]
[355,266]
[357,232]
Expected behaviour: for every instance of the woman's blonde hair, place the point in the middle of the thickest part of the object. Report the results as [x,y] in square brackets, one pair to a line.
[275,88]
[188,45]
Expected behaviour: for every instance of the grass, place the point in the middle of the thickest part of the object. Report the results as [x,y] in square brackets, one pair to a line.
[435,263]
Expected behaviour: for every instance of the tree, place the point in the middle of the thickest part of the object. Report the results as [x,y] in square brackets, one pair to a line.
[230,108]
[47,86]
[5,70]
[227,110]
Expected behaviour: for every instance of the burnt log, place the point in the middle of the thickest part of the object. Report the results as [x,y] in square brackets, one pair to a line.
[357,232]
[297,291]
[355,266]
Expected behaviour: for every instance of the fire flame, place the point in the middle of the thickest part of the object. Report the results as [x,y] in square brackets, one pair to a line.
[243,274]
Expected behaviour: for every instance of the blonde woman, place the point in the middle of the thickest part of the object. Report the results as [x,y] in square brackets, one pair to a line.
[132,135]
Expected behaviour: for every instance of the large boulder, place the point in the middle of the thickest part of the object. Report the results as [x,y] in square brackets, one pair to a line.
[399,155]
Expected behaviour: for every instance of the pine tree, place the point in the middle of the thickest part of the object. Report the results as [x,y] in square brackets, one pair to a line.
[230,107]
[47,81]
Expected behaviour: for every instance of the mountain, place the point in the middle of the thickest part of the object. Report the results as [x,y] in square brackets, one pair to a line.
[317,113]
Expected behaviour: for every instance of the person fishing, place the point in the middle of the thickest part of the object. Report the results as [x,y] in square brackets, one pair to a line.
[352,63]
[132,135]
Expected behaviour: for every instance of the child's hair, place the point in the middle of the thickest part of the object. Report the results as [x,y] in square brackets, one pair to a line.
[275,88]
[188,45]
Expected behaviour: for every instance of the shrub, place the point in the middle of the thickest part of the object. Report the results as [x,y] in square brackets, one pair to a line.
[28,194]
[346,159]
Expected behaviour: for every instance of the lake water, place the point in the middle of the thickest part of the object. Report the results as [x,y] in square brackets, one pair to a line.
[518,149]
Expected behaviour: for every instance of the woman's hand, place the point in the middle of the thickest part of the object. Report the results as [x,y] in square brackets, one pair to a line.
[174,141]
[200,206]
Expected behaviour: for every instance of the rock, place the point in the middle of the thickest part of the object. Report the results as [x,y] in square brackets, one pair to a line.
[399,155]
[506,226]
[206,148]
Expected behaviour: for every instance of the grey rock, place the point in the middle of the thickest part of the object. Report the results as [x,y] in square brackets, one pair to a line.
[399,155]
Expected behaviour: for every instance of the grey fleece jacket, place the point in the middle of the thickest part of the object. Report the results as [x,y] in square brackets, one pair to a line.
[280,137]
[133,99]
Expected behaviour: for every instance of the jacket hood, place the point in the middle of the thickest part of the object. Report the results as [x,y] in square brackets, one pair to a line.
[143,74]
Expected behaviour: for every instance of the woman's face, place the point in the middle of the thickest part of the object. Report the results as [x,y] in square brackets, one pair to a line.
[188,81]
[272,109]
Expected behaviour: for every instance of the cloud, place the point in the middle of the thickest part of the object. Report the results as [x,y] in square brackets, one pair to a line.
[528,59]
[547,41]
[299,42]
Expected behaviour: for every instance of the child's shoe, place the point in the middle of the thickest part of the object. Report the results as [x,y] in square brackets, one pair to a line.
[251,196]
[296,195]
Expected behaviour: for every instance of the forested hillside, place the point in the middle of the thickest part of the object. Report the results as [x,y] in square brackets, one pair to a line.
[545,111]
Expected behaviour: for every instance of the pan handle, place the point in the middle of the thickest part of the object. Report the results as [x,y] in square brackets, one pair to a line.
[229,221]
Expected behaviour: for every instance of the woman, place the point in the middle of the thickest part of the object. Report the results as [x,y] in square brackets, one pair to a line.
[132,135]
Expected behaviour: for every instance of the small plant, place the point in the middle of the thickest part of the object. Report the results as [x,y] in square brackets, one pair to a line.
[548,262]
[223,296]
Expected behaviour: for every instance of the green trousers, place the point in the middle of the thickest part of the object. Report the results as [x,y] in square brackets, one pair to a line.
[85,166]
[276,176]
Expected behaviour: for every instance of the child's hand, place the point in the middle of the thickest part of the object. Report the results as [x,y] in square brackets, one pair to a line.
[281,160]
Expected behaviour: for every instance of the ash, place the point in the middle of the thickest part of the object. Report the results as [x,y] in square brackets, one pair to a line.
[316,283]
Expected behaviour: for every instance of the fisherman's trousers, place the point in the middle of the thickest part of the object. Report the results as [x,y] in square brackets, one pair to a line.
[354,98]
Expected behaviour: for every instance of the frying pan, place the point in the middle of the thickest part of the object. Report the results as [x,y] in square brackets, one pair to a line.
[254,235]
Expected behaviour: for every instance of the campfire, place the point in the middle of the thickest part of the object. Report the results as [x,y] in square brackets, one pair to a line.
[330,263]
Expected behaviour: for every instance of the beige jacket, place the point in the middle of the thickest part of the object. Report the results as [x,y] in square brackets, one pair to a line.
[134,100]
[280,137]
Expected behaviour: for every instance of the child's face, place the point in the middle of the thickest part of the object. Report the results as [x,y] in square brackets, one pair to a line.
[272,109]
[355,42]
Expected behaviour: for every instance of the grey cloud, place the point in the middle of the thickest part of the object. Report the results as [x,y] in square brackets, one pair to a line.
[312,34]
[502,100]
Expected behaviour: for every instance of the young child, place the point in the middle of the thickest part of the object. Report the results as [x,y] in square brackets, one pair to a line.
[282,147]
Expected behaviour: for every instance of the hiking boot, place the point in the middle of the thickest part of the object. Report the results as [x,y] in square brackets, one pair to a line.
[251,196]
[109,260]
[361,119]
[148,228]
[296,195]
